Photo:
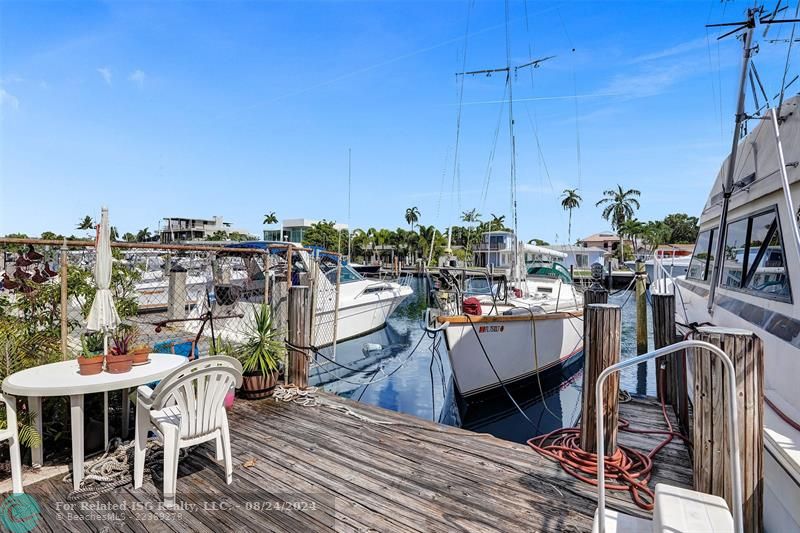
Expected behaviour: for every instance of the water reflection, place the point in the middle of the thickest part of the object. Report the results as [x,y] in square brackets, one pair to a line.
[380,369]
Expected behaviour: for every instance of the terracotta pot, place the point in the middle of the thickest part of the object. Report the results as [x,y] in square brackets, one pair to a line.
[141,355]
[88,366]
[256,385]
[117,364]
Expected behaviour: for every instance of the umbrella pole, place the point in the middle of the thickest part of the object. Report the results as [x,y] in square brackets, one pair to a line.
[105,396]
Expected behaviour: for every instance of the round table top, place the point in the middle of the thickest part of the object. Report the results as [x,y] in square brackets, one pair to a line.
[63,378]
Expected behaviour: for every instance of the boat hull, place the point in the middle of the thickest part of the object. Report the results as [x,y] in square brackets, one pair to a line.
[487,349]
[358,317]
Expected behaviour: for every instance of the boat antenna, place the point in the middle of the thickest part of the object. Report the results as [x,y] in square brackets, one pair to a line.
[748,26]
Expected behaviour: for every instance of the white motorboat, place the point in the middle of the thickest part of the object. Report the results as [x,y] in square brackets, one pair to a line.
[758,289]
[363,305]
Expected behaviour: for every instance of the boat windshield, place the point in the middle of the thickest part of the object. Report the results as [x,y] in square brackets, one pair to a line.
[347,275]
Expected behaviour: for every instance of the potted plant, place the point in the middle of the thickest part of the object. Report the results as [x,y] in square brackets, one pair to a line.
[260,355]
[91,358]
[140,351]
[120,359]
[141,354]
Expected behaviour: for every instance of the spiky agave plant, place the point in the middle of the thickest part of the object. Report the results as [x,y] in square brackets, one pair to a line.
[263,349]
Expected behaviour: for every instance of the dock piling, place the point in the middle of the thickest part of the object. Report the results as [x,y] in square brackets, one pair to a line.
[711,457]
[641,308]
[299,335]
[668,382]
[602,347]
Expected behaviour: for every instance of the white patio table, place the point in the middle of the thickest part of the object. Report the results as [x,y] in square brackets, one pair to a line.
[63,379]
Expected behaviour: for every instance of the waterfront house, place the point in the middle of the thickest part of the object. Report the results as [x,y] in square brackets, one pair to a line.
[293,230]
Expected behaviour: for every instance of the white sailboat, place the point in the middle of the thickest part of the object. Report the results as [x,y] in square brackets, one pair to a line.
[518,328]
[501,332]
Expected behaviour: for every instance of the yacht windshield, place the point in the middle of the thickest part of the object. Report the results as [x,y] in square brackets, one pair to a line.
[347,274]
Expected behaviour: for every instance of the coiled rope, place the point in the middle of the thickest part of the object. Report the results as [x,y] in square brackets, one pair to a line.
[115,469]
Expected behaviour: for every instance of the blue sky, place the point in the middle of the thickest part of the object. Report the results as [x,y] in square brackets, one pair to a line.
[162,109]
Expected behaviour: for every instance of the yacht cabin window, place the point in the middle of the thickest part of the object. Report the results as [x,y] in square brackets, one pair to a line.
[698,268]
[754,260]
[735,242]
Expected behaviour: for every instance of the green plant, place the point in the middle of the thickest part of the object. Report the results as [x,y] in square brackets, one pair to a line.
[20,350]
[263,348]
[123,339]
[92,344]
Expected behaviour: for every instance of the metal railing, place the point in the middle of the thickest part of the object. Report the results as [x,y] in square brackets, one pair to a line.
[733,433]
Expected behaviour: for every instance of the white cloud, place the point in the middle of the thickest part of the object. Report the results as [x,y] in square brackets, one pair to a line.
[138,77]
[678,49]
[8,99]
[105,73]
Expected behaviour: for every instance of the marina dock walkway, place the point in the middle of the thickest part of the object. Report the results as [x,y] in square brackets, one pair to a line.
[346,466]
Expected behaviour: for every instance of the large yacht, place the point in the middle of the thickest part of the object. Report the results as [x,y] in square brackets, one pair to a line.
[758,290]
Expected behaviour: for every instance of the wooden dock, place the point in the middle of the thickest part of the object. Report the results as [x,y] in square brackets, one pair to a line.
[345,466]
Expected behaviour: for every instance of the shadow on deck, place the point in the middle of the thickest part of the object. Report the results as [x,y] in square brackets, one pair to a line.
[321,468]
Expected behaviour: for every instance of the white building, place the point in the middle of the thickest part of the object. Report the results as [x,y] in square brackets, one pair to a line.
[177,229]
[293,230]
[580,257]
[497,249]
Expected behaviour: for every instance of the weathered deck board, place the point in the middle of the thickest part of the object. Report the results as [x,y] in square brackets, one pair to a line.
[333,471]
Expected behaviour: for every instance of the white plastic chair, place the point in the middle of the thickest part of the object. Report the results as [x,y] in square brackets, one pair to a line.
[185,409]
[11,434]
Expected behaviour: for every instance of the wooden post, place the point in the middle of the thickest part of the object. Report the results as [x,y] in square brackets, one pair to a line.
[595,294]
[299,335]
[641,308]
[711,458]
[63,274]
[176,293]
[336,303]
[664,335]
[289,253]
[602,349]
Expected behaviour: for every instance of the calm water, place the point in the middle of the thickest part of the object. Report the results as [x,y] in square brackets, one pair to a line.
[403,369]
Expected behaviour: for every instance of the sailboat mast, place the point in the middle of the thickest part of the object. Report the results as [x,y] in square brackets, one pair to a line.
[509,79]
[349,174]
[727,187]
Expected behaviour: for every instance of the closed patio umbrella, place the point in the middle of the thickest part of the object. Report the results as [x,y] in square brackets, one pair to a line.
[103,315]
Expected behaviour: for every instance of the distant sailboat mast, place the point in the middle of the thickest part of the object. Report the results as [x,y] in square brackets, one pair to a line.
[349,191]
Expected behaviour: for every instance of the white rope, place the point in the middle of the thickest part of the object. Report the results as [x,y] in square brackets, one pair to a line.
[306,397]
[114,469]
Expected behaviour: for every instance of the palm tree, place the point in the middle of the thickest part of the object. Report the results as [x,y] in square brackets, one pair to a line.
[470,217]
[270,218]
[498,223]
[570,199]
[412,216]
[620,206]
[633,229]
[114,233]
[143,235]
[86,223]
[129,237]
